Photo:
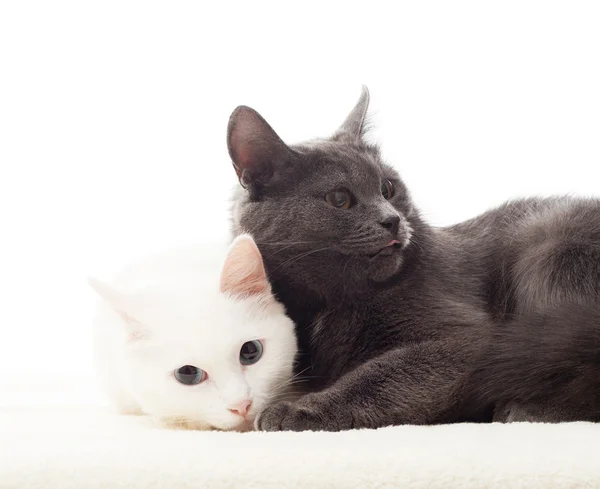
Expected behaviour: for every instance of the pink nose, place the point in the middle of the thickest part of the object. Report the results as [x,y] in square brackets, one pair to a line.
[241,408]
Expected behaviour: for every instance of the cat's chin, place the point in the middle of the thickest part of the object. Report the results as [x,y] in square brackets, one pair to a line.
[246,425]
[180,423]
[385,266]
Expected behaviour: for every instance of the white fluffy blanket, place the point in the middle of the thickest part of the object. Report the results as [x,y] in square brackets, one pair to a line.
[80,448]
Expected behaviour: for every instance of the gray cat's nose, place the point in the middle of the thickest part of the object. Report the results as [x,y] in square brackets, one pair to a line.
[391,222]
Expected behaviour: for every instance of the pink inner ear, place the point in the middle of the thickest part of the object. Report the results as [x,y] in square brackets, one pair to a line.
[242,139]
[135,331]
[240,144]
[135,336]
[243,272]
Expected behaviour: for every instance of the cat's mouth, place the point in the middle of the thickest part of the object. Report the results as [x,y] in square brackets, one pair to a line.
[388,249]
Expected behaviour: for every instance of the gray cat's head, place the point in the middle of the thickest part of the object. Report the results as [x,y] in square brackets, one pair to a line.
[328,215]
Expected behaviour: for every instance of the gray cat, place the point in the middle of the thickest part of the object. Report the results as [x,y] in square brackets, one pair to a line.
[400,322]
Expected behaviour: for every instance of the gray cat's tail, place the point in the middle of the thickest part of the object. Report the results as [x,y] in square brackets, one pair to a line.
[548,358]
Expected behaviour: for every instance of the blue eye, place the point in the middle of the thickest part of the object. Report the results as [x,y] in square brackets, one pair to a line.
[251,352]
[190,375]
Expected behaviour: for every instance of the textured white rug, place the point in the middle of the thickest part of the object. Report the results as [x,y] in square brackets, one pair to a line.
[80,448]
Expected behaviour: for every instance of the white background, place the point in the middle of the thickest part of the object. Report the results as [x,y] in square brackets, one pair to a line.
[113,117]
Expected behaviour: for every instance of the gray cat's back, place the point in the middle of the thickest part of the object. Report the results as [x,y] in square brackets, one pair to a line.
[534,219]
[529,253]
[393,315]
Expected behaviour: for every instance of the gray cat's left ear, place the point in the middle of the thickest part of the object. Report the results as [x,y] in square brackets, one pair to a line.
[353,127]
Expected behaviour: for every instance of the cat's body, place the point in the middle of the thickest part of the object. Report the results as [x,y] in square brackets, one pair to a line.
[396,318]
[543,366]
[192,309]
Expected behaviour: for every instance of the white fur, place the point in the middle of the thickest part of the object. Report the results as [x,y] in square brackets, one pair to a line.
[168,312]
[84,448]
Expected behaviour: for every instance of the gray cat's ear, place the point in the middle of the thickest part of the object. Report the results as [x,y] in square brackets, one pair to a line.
[122,304]
[254,147]
[354,126]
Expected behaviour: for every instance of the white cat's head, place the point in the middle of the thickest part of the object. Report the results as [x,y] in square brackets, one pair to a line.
[206,355]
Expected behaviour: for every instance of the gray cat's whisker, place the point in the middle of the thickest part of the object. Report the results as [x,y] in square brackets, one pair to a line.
[498,313]
[300,256]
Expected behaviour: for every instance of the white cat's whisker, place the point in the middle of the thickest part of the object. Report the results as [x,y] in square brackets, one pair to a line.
[171,317]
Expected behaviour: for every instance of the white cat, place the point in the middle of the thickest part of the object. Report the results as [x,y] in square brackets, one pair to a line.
[192,343]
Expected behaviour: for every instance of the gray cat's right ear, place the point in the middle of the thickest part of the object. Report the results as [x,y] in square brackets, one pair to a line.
[254,147]
[122,305]
[354,126]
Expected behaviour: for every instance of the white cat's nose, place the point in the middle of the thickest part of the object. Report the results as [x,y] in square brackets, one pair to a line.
[241,408]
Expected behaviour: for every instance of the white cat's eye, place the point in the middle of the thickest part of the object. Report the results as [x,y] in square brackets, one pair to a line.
[189,375]
[251,352]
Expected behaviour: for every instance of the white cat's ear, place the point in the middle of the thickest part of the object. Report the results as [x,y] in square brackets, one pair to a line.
[121,303]
[354,126]
[244,273]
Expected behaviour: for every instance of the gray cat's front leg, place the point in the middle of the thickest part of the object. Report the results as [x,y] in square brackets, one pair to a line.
[311,413]
[417,384]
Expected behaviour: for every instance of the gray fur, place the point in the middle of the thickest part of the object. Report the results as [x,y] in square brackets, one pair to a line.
[409,337]
[353,128]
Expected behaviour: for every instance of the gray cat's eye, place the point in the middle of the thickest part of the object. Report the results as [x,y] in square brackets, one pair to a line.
[341,198]
[189,375]
[251,352]
[387,190]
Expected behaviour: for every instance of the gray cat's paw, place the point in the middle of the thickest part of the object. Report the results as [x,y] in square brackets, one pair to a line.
[296,416]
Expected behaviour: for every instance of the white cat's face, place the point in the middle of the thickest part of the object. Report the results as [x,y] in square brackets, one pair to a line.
[205,366]
[208,357]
